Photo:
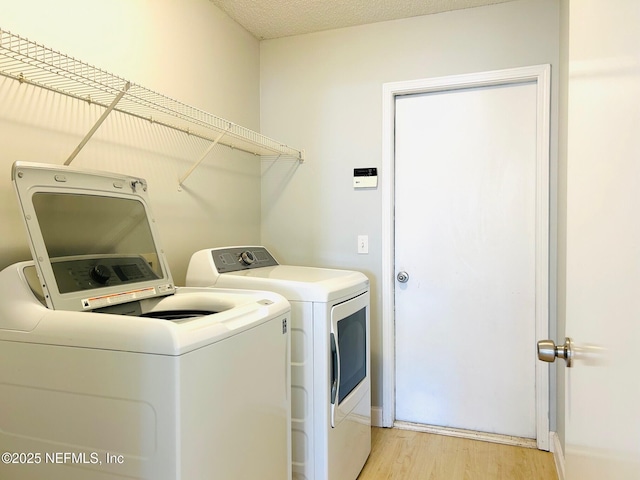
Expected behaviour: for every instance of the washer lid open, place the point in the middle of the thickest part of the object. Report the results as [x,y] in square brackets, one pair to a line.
[92,236]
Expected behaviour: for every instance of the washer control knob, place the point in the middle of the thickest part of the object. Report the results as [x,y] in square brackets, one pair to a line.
[100,273]
[247,257]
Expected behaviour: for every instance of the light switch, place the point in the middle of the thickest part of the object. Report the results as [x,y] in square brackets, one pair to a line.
[363,244]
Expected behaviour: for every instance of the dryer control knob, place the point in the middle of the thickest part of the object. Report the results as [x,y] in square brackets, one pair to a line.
[247,257]
[100,274]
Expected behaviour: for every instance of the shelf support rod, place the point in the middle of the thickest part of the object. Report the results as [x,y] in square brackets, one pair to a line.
[204,155]
[102,118]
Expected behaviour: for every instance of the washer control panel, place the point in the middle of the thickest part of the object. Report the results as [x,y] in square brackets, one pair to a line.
[88,272]
[234,259]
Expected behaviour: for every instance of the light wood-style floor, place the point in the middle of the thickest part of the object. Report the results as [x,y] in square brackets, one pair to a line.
[408,455]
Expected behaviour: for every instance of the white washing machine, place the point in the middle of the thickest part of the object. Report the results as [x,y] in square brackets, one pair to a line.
[109,370]
[330,353]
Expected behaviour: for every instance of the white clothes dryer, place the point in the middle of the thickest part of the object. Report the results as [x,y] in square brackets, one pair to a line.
[330,353]
[109,370]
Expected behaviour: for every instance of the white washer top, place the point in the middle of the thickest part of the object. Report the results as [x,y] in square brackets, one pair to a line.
[224,313]
[102,278]
[295,283]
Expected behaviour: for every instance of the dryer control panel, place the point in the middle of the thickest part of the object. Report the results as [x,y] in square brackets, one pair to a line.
[234,259]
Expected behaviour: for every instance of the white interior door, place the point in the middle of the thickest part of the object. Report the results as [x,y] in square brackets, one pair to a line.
[603,242]
[467,235]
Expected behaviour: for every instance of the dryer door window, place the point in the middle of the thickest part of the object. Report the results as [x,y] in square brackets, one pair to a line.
[352,345]
[349,338]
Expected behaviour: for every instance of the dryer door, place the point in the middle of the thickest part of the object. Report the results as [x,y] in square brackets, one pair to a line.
[349,355]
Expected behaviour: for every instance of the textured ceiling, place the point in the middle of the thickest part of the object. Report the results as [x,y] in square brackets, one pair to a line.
[267,19]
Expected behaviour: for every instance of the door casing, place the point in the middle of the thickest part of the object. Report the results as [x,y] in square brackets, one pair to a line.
[541,74]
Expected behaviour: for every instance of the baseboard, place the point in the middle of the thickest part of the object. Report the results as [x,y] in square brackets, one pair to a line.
[558,454]
[376,416]
[470,434]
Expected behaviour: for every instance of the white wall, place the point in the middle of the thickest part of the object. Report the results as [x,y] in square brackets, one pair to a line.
[322,92]
[186,49]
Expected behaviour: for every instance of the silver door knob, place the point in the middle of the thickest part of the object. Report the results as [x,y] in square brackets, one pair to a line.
[403,277]
[548,351]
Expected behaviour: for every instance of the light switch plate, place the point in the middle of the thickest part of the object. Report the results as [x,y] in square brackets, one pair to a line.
[363,244]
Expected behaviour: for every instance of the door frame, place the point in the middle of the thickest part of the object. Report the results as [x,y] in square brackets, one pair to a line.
[541,75]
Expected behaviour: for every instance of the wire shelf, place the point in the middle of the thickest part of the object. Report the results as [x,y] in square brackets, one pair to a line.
[30,62]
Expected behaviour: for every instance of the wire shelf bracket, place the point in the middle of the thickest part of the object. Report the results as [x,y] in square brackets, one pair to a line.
[33,63]
[93,130]
[204,155]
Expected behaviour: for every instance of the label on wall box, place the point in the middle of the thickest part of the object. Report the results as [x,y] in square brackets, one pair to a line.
[365,177]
